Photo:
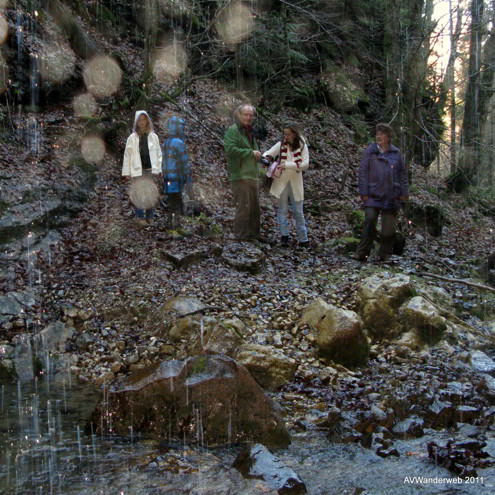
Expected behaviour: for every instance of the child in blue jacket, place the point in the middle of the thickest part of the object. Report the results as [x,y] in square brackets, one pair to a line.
[175,165]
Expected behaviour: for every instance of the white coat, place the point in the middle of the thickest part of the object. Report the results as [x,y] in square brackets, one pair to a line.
[292,173]
[132,158]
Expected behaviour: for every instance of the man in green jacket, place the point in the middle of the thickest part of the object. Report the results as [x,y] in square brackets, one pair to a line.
[243,156]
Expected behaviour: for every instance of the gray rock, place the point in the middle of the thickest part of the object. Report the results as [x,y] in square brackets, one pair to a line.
[482,363]
[270,367]
[409,427]
[27,299]
[441,414]
[244,257]
[256,461]
[27,214]
[23,358]
[84,340]
[225,338]
[489,388]
[378,299]
[9,306]
[7,369]
[183,306]
[186,327]
[387,452]
[53,337]
[424,317]
[466,414]
[183,260]
[468,430]
[340,335]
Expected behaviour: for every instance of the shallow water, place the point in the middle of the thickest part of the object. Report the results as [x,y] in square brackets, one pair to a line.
[44,449]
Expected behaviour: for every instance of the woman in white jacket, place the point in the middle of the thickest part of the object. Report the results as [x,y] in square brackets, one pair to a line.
[142,158]
[293,157]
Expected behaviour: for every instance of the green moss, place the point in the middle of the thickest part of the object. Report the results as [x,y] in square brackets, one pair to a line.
[199,365]
[207,226]
[379,318]
[355,218]
[345,244]
[233,329]
[85,167]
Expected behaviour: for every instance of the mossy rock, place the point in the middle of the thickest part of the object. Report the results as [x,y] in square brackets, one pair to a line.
[345,244]
[380,319]
[355,218]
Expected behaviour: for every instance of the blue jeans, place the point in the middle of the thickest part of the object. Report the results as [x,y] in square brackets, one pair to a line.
[149,214]
[297,212]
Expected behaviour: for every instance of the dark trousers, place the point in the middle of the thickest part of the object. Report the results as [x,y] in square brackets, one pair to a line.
[247,212]
[389,220]
[174,201]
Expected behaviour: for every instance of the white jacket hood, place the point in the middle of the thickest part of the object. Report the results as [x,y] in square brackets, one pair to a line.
[136,117]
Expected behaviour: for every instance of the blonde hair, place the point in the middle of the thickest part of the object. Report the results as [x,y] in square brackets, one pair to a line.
[149,127]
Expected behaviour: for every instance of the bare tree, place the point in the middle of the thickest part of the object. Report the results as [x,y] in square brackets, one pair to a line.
[471,128]
[449,82]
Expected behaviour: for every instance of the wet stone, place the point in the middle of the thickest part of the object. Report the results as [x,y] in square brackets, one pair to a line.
[258,462]
[410,427]
[9,306]
[164,399]
[456,392]
[465,414]
[441,413]
[468,430]
[392,451]
[244,257]
[183,260]
[461,457]
[482,363]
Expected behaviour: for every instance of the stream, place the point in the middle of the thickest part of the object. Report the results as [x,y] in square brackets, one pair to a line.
[45,448]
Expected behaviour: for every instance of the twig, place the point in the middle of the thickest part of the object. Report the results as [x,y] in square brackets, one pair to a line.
[456,280]
[451,316]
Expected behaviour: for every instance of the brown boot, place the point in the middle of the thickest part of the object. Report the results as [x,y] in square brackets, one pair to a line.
[140,223]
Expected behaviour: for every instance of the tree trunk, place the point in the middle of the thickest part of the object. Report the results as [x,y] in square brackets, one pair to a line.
[151,18]
[471,129]
[449,80]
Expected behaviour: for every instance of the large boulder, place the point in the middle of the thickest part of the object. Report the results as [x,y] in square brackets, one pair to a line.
[269,366]
[378,299]
[340,336]
[210,399]
[343,89]
[420,315]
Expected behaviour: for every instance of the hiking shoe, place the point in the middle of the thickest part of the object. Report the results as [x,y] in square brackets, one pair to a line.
[304,244]
[284,241]
[150,221]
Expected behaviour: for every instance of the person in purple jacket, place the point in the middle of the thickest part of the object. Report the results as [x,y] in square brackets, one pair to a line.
[382,187]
